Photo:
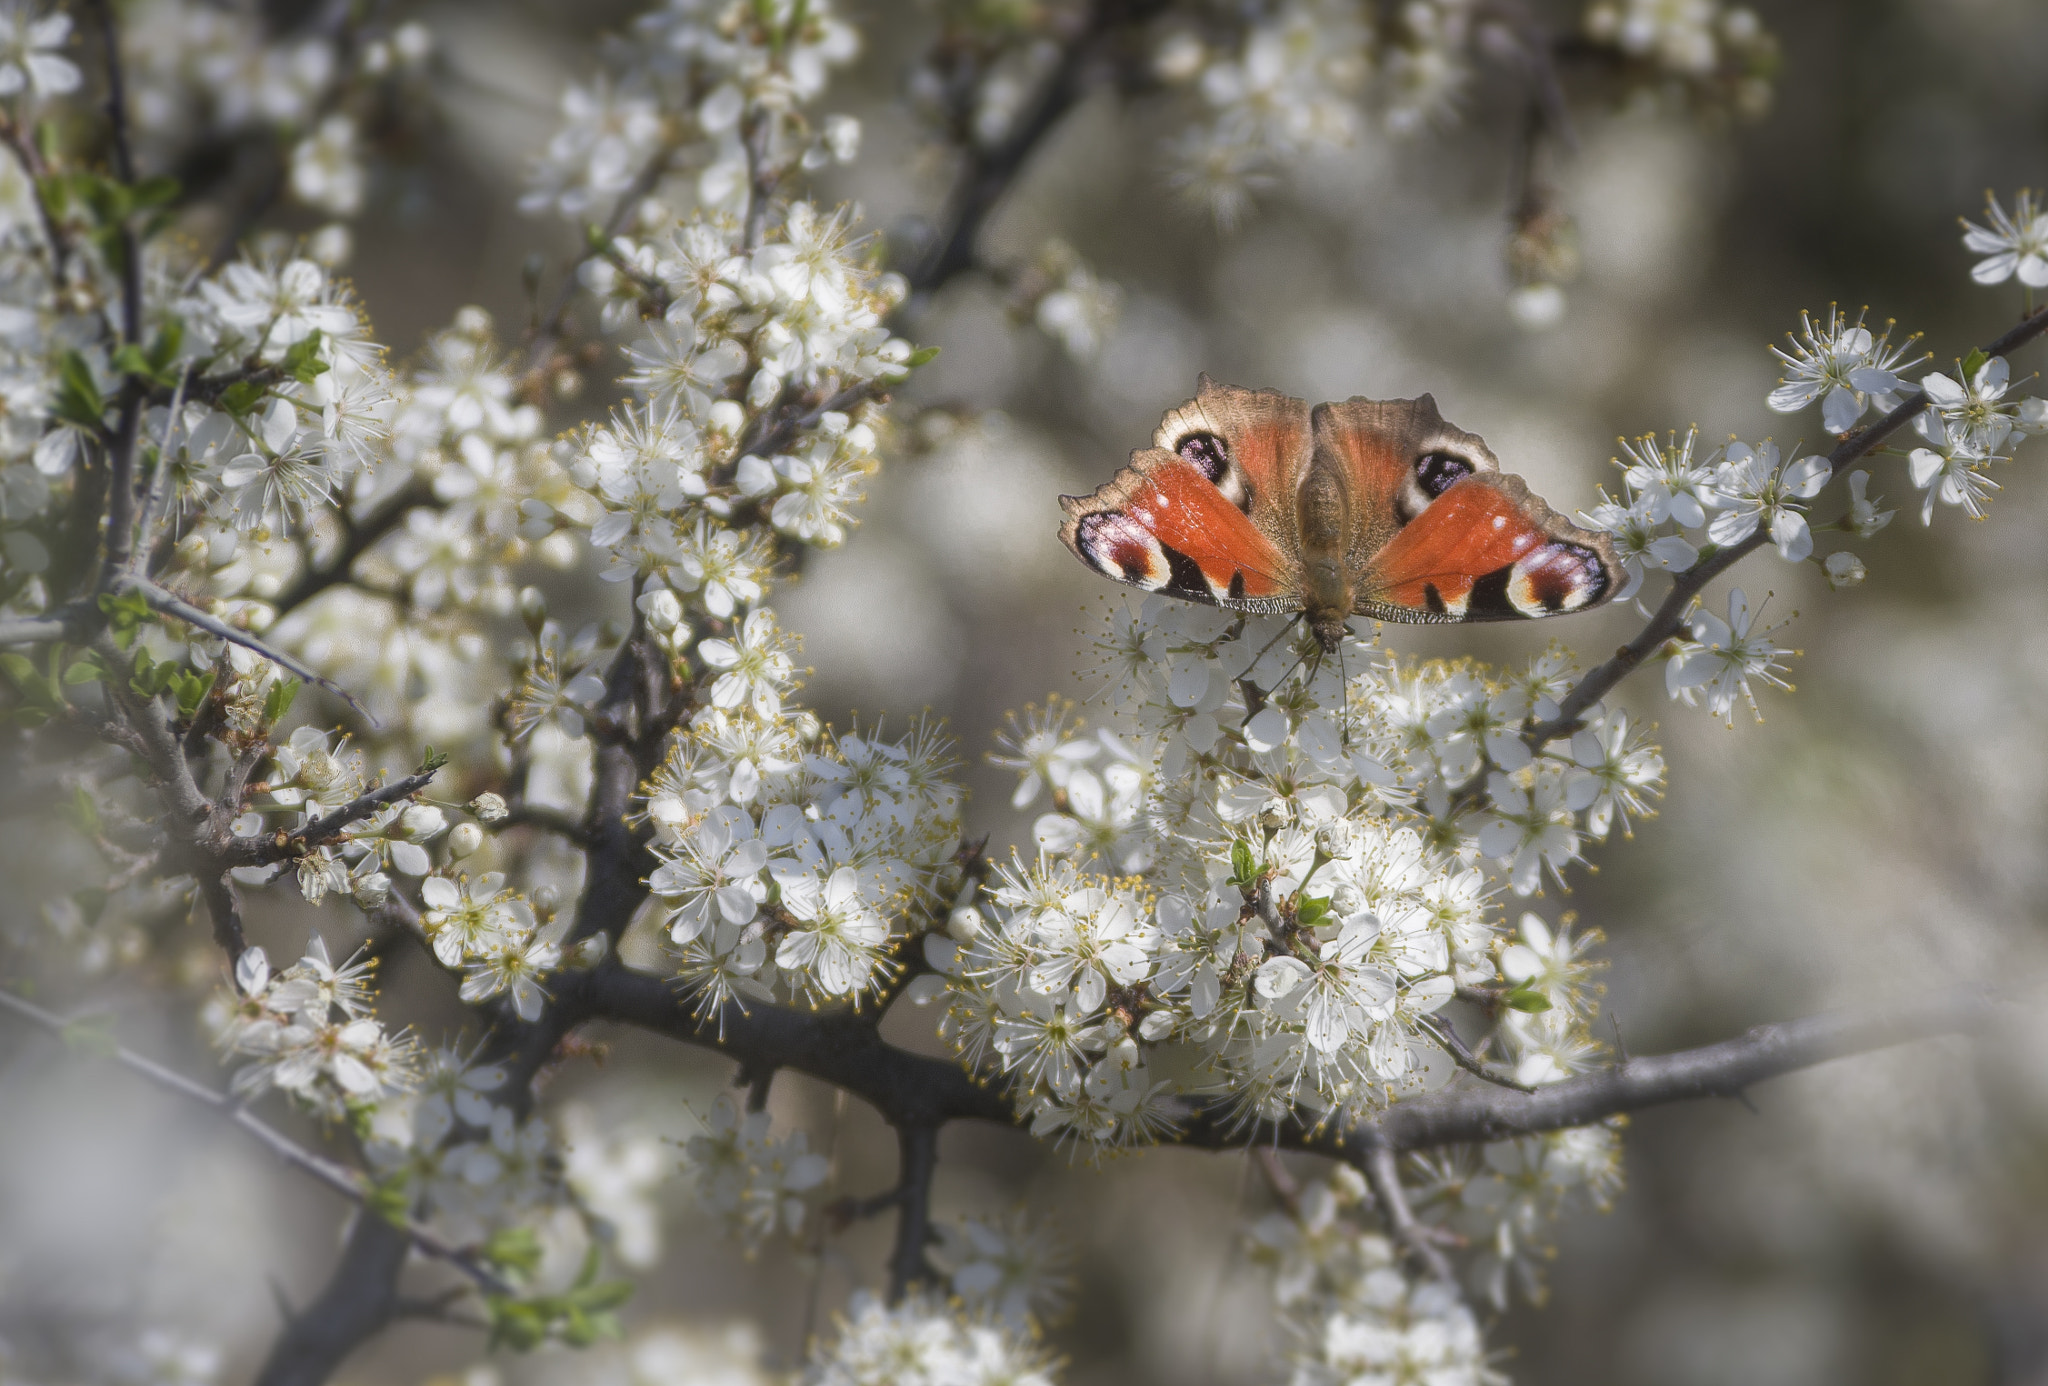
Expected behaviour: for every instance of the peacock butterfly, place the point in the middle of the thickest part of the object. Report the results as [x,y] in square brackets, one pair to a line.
[1251,500]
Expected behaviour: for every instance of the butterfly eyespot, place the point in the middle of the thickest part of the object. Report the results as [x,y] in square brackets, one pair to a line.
[1210,456]
[1207,452]
[1437,472]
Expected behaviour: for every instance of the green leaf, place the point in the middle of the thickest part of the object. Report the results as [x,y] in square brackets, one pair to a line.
[160,191]
[163,352]
[302,361]
[83,812]
[515,1250]
[1311,911]
[278,701]
[242,396]
[85,669]
[192,692]
[1532,1002]
[125,615]
[155,364]
[1972,363]
[431,760]
[78,395]
[603,1296]
[20,668]
[516,1324]
[923,355]
[1244,868]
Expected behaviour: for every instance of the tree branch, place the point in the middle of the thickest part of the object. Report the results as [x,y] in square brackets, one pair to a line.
[327,827]
[169,604]
[349,1183]
[1383,1173]
[357,540]
[918,1161]
[989,172]
[1670,616]
[1714,1070]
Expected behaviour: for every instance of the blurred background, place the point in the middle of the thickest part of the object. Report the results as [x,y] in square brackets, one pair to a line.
[1881,1220]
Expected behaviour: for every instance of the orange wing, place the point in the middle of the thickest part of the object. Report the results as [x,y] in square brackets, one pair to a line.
[1163,525]
[1252,444]
[1487,550]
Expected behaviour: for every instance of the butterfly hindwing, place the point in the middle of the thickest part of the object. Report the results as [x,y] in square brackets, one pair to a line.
[1487,550]
[1161,524]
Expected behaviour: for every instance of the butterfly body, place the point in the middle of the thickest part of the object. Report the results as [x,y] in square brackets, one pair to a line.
[1253,501]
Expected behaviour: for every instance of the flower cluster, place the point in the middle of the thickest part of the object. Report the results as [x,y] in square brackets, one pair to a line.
[671,118]
[753,1182]
[308,1032]
[1012,1267]
[492,933]
[1291,87]
[793,862]
[921,1342]
[1503,1200]
[462,1160]
[1351,1312]
[1718,55]
[1302,885]
[202,73]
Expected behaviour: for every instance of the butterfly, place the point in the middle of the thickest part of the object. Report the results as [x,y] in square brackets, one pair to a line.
[1253,501]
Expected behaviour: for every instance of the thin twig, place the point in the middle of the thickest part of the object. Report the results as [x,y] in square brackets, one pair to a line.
[761,179]
[1383,1173]
[989,173]
[1671,616]
[33,630]
[170,604]
[327,827]
[357,539]
[159,487]
[349,1183]
[1446,1035]
[1279,1179]
[541,348]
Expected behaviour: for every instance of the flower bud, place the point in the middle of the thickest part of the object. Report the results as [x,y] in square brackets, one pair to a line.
[1844,569]
[965,924]
[662,608]
[489,808]
[463,840]
[372,891]
[533,609]
[1337,839]
[421,821]
[546,899]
